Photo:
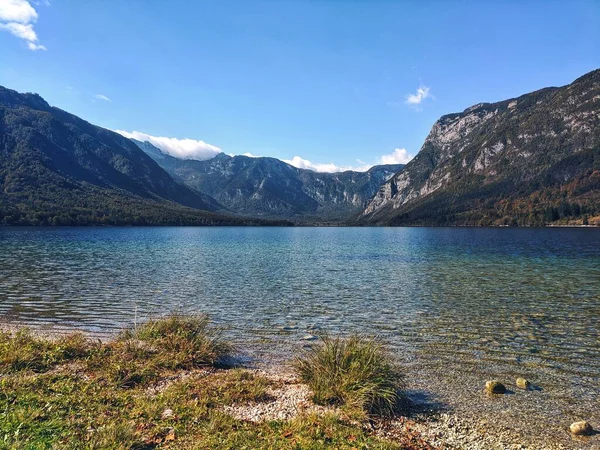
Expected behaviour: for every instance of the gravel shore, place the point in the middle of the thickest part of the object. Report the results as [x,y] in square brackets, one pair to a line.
[440,430]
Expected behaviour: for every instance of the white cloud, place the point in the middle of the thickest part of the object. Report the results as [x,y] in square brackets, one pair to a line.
[398,156]
[17,11]
[302,163]
[17,17]
[179,148]
[422,93]
[102,97]
[20,30]
[200,150]
[33,46]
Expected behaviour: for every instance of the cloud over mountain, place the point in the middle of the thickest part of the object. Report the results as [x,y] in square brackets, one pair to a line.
[398,156]
[102,97]
[415,100]
[200,150]
[302,163]
[179,148]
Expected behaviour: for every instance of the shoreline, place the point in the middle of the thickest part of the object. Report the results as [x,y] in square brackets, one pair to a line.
[467,419]
[296,225]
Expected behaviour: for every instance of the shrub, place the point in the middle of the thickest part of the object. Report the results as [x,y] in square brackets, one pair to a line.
[354,372]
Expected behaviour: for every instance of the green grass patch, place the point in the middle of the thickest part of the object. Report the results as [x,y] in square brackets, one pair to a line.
[143,354]
[355,373]
[182,342]
[25,351]
[156,386]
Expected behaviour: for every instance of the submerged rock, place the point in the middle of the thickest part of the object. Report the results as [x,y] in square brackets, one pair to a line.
[495,387]
[522,383]
[310,337]
[582,428]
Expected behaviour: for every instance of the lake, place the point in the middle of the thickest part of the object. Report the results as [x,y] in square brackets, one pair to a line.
[467,300]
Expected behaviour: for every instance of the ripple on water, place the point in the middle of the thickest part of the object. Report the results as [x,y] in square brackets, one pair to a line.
[487,301]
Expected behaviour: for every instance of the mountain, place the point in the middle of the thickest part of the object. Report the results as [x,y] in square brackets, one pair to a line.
[531,160]
[268,187]
[56,168]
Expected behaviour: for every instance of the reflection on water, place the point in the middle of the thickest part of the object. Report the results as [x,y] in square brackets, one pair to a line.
[528,297]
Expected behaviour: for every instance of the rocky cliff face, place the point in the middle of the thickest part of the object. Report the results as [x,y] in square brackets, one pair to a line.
[268,187]
[531,160]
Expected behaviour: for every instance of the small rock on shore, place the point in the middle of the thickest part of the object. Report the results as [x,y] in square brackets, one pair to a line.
[495,387]
[522,383]
[582,428]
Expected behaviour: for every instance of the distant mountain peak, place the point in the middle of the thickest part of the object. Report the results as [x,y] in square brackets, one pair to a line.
[223,156]
[269,187]
[32,100]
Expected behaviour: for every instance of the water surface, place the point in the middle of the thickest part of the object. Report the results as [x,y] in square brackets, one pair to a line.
[478,300]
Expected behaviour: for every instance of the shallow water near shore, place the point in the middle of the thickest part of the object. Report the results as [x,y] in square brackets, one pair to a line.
[457,305]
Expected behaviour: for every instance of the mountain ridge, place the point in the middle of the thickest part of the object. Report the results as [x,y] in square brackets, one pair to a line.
[56,168]
[529,160]
[269,187]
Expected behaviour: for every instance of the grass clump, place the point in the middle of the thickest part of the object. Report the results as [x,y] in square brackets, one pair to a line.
[354,372]
[237,386]
[182,342]
[141,354]
[305,431]
[24,351]
[115,436]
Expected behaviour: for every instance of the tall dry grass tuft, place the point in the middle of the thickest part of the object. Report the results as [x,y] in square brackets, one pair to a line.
[142,353]
[354,372]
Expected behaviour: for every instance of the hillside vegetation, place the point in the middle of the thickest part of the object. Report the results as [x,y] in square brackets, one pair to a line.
[57,169]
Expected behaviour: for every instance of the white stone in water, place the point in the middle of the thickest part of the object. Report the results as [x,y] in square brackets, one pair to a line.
[310,337]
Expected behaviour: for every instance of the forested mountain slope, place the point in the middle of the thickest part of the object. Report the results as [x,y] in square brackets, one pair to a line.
[56,168]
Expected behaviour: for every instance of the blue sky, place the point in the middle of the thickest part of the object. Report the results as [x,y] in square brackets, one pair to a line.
[324,81]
